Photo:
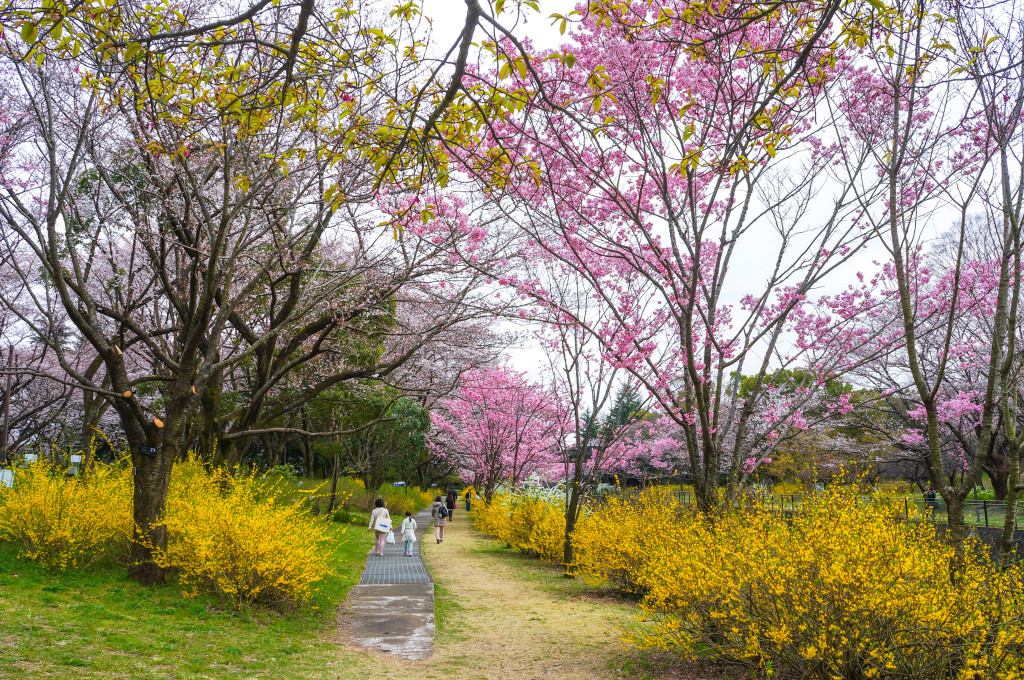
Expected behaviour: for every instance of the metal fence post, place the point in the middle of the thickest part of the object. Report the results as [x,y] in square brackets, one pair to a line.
[984,504]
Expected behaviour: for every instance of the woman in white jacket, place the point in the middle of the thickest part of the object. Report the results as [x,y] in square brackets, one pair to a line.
[380,517]
[408,533]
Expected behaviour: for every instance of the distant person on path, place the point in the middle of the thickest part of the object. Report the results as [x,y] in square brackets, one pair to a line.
[408,533]
[380,525]
[450,502]
[469,494]
[439,512]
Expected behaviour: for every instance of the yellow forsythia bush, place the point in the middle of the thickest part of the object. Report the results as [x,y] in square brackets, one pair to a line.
[402,500]
[528,523]
[616,539]
[490,518]
[68,522]
[235,536]
[840,590]
[398,499]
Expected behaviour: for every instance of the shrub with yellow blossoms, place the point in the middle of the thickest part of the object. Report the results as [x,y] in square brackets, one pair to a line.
[529,520]
[68,522]
[233,535]
[841,590]
[615,539]
[244,537]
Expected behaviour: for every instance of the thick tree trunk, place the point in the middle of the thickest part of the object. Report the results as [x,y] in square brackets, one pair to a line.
[149,497]
[956,534]
[1000,479]
[1013,490]
[211,444]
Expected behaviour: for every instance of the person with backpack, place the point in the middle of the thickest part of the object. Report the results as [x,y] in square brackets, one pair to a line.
[439,511]
[450,502]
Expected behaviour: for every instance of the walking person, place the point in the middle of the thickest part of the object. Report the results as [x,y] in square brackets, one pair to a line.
[408,533]
[380,525]
[450,502]
[439,511]
[469,494]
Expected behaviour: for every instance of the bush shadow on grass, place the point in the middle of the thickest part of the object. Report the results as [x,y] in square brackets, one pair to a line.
[654,663]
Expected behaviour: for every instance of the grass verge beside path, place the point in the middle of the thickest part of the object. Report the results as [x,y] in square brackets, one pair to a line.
[518,618]
[98,624]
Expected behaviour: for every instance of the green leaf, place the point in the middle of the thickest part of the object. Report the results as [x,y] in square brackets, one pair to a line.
[29,32]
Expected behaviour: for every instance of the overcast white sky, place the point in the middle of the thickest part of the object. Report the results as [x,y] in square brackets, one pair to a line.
[449,18]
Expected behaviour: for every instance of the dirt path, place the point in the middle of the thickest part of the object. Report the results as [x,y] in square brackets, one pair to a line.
[504,616]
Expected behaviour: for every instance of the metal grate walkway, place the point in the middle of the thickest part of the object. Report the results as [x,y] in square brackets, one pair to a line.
[394,567]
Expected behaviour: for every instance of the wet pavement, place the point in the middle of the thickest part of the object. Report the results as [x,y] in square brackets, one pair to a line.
[392,608]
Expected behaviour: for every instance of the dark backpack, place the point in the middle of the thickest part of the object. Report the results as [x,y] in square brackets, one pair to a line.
[442,512]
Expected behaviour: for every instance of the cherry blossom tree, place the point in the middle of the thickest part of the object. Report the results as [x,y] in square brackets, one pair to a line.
[939,142]
[596,407]
[997,76]
[645,171]
[501,426]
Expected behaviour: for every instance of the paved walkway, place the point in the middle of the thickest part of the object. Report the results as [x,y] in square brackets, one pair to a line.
[392,608]
[395,567]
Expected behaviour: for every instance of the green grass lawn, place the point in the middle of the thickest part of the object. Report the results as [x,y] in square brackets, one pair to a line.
[98,624]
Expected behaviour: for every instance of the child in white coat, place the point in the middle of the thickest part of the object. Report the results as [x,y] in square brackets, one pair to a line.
[408,533]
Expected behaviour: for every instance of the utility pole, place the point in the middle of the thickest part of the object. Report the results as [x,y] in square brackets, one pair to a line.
[7,404]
